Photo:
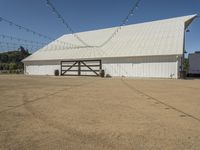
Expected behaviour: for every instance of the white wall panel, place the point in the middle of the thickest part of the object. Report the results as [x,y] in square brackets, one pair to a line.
[194,63]
[151,66]
[158,67]
[41,67]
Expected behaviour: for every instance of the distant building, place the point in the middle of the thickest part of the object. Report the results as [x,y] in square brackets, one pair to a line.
[194,64]
[153,49]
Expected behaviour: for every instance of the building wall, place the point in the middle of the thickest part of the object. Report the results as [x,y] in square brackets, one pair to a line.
[151,66]
[41,67]
[194,63]
[154,66]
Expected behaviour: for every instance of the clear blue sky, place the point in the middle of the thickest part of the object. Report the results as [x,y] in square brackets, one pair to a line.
[85,15]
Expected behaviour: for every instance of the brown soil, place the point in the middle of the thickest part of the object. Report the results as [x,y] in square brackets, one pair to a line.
[98,114]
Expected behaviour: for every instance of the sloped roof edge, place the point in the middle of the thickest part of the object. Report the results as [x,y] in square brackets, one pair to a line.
[187,20]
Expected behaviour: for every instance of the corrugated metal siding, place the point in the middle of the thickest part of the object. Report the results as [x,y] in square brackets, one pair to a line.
[164,37]
[194,63]
[152,66]
[159,67]
[41,67]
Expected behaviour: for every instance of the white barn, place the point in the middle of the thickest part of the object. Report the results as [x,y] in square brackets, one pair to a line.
[151,49]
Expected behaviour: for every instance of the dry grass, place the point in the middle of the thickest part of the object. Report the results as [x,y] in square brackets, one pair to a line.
[101,114]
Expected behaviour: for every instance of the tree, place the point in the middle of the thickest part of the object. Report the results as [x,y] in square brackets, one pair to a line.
[12,60]
[186,64]
[24,52]
[3,58]
[12,66]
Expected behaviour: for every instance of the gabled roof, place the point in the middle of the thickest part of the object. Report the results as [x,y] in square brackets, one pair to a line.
[163,37]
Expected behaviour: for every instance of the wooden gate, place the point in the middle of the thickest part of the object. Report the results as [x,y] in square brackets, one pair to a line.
[81,68]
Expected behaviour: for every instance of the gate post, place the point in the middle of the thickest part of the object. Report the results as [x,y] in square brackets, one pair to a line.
[61,68]
[100,63]
[79,68]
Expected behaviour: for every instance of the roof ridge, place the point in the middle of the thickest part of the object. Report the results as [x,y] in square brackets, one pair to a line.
[152,21]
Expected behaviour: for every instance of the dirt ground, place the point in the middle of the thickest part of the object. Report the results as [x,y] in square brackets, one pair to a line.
[98,114]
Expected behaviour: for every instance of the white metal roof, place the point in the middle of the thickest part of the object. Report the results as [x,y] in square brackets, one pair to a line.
[163,37]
